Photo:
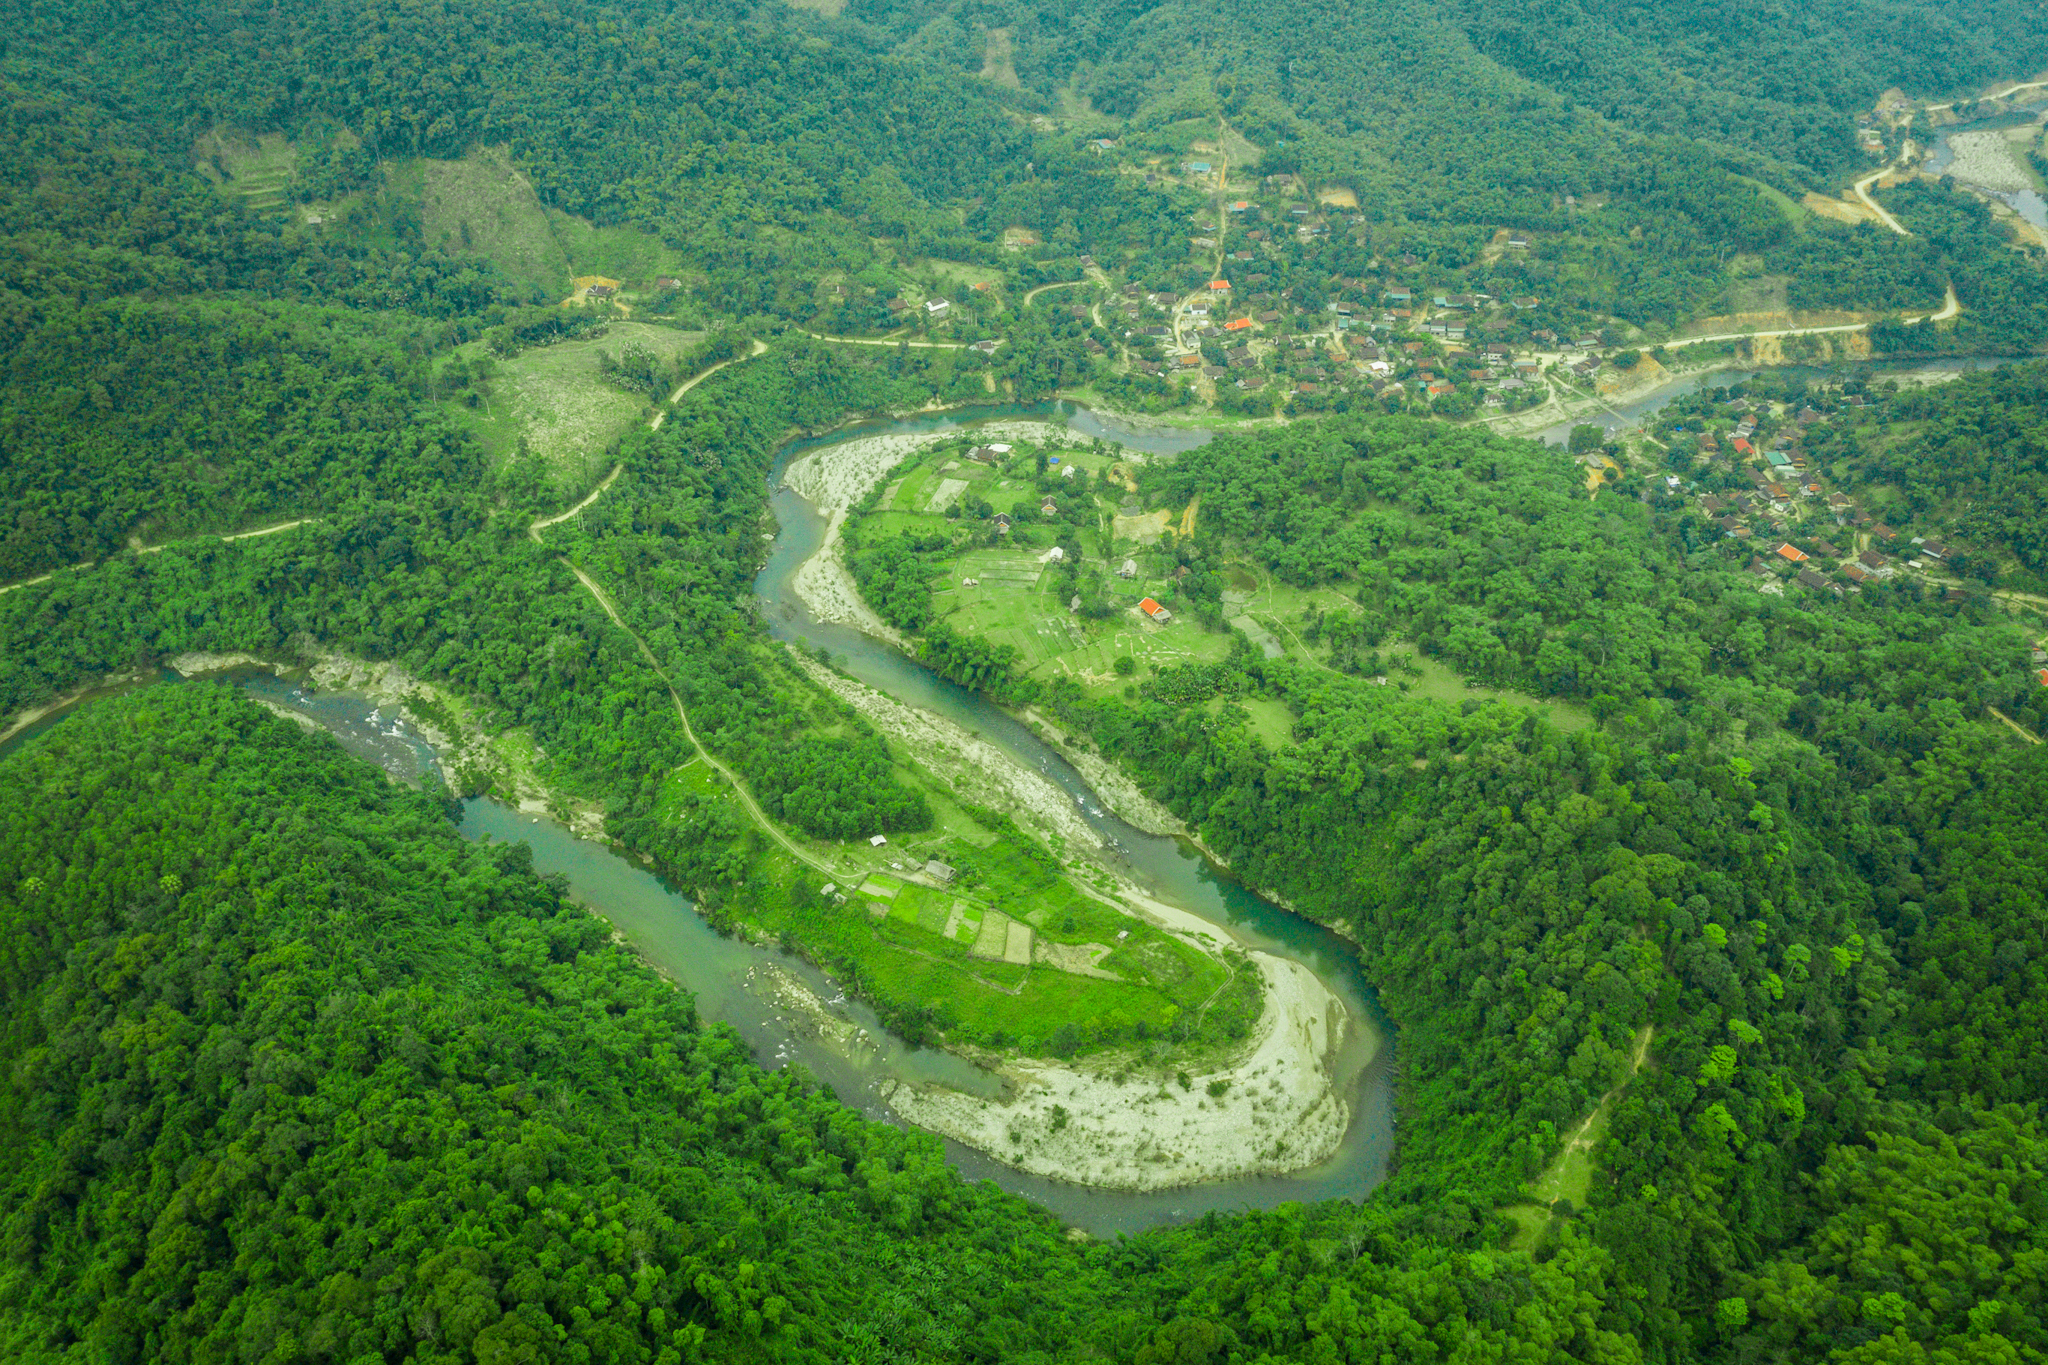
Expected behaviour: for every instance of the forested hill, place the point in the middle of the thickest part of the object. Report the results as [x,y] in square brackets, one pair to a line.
[293,1073]
[1799,862]
[288,1071]
[1407,80]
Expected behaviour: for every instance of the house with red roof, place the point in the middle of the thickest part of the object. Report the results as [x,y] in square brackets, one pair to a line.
[1792,554]
[1155,611]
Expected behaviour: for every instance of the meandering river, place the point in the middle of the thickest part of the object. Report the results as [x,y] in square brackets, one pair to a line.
[733,980]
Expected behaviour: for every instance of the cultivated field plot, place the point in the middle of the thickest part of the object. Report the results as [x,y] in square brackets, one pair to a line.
[1093,663]
[1007,608]
[259,169]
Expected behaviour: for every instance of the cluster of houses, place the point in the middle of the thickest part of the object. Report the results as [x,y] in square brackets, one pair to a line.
[1781,514]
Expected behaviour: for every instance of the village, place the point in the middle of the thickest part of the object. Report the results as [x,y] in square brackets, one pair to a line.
[1755,474]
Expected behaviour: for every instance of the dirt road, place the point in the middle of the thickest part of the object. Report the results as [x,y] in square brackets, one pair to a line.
[604,600]
[1863,193]
[1056,284]
[759,348]
[1950,306]
[1999,95]
[2022,731]
[159,549]
[889,340]
[746,799]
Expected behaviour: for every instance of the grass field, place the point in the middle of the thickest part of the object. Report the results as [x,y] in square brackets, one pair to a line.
[956,275]
[552,398]
[623,253]
[1794,212]
[937,953]
[1020,600]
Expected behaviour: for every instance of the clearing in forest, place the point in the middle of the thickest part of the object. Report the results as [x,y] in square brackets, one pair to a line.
[483,204]
[554,400]
[1569,1177]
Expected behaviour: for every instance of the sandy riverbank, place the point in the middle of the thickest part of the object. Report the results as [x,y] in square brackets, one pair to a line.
[466,749]
[825,587]
[978,771]
[1119,793]
[21,720]
[1278,1110]
[834,478]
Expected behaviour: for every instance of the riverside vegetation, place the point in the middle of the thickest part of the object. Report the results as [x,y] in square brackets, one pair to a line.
[294,1073]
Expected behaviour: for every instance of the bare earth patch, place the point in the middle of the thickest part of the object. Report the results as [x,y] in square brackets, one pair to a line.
[1079,959]
[1841,210]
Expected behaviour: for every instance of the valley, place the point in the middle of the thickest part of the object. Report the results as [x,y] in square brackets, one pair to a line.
[864,681]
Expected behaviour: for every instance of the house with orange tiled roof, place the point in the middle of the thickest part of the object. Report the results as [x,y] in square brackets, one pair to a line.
[1792,554]
[1155,611]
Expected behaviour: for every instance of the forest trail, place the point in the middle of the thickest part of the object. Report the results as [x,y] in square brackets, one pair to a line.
[159,549]
[759,348]
[2022,731]
[239,535]
[604,600]
[592,496]
[1570,1172]
[1583,1137]
[746,799]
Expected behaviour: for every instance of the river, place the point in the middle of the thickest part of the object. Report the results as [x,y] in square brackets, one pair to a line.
[731,979]
[1623,416]
[2003,169]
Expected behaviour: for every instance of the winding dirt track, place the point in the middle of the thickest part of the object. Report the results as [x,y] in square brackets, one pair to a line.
[897,341]
[159,549]
[768,826]
[1863,193]
[604,600]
